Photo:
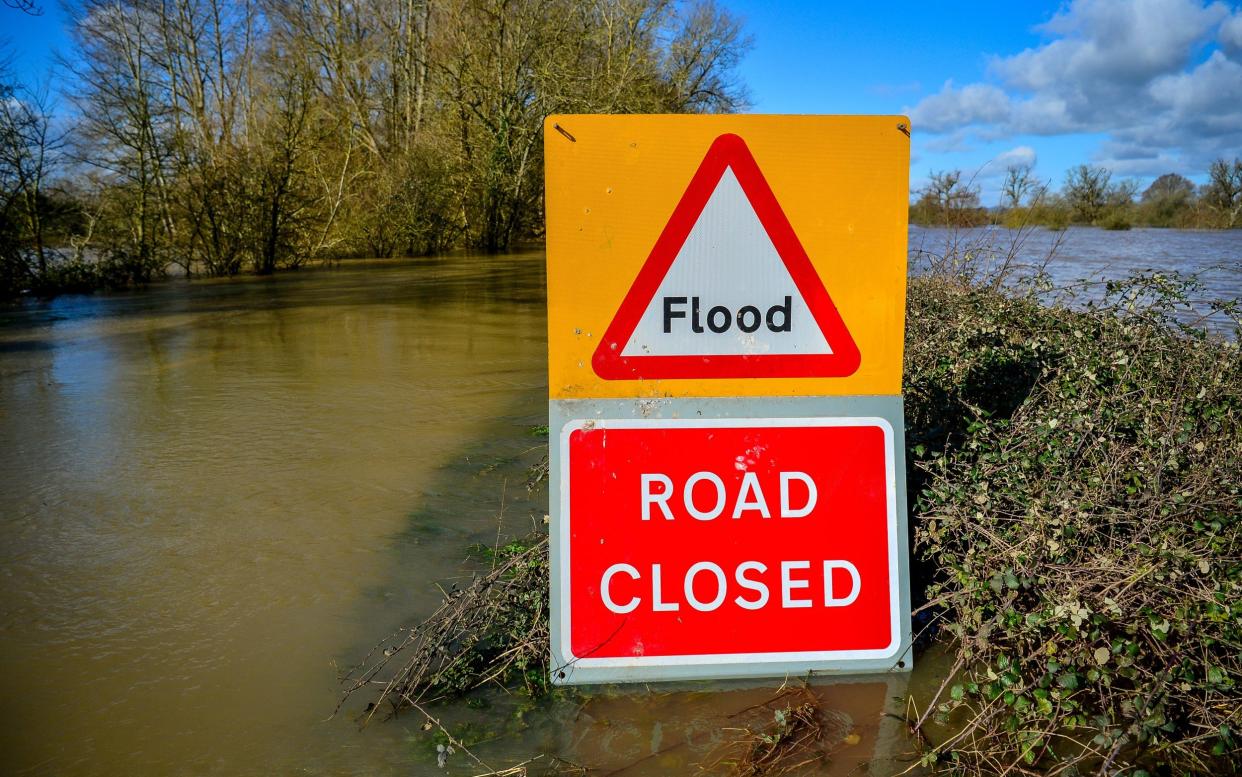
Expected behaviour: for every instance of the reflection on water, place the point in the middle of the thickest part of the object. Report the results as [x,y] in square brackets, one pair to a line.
[209,492]
[680,732]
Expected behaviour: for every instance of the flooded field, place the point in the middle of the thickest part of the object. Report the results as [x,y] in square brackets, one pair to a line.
[214,493]
[1079,258]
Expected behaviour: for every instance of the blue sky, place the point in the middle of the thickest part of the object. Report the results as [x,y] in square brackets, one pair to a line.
[1143,87]
[816,57]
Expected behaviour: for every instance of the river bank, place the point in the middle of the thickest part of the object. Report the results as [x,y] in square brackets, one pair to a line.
[1072,257]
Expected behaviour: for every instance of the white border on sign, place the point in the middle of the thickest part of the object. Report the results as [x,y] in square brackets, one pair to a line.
[729,658]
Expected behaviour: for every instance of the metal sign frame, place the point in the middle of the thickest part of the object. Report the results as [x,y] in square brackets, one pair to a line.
[623,197]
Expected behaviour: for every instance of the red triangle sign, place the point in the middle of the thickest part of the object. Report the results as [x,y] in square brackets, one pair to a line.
[727,291]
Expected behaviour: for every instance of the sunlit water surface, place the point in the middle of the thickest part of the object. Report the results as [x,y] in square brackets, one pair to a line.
[1078,260]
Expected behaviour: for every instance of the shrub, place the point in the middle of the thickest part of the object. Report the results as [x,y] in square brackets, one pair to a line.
[71,276]
[1076,498]
[1117,220]
[117,269]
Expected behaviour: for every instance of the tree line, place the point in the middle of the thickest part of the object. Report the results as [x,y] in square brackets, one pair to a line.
[1089,195]
[222,136]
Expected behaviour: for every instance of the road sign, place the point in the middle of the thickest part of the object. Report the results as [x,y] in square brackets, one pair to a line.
[728,290]
[704,256]
[726,309]
[754,545]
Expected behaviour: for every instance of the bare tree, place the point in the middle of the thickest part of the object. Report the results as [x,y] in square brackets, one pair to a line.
[1168,201]
[1020,183]
[1122,193]
[1169,186]
[948,200]
[30,152]
[1086,191]
[701,61]
[206,59]
[124,108]
[403,68]
[1224,191]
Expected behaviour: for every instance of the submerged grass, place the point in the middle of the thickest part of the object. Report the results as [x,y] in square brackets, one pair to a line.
[1075,492]
[795,739]
[494,629]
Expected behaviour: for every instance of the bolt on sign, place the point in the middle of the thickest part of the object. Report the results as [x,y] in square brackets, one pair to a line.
[726,300]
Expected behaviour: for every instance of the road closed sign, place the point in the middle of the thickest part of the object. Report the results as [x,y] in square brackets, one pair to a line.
[713,542]
[726,309]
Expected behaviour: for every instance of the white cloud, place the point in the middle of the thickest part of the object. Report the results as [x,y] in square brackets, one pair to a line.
[1123,68]
[1110,44]
[1044,114]
[1231,34]
[953,143]
[953,108]
[1214,84]
[1197,114]
[1022,156]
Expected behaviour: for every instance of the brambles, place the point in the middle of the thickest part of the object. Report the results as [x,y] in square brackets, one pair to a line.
[1076,497]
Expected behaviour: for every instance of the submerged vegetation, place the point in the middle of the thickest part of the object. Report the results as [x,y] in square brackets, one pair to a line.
[793,734]
[1075,495]
[492,630]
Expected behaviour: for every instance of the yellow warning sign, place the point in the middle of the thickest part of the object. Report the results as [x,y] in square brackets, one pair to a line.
[713,256]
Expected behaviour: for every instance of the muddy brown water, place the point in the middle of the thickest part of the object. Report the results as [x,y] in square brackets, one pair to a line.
[213,494]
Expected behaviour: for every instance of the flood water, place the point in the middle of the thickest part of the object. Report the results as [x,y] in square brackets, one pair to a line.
[213,493]
[1083,254]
